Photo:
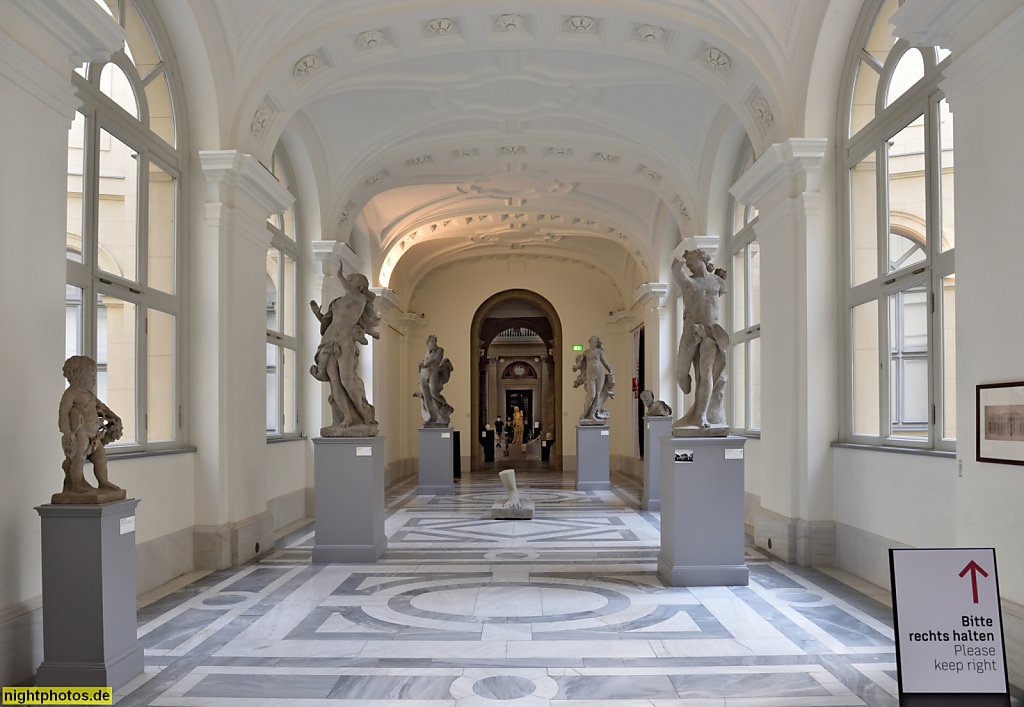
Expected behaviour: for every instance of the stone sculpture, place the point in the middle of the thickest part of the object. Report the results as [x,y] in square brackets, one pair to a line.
[516,506]
[598,380]
[87,425]
[517,425]
[702,346]
[435,371]
[655,408]
[343,329]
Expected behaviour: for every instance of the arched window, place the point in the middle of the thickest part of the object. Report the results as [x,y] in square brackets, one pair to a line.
[282,313]
[744,287]
[124,232]
[897,137]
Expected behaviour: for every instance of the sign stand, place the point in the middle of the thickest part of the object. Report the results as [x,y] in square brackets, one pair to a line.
[949,630]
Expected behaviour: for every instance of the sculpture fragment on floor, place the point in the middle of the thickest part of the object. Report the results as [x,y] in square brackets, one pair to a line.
[343,329]
[86,425]
[515,507]
[435,371]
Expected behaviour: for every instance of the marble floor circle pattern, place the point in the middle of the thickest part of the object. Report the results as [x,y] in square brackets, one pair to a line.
[564,610]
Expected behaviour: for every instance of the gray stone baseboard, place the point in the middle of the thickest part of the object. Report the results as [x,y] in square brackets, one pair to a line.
[232,544]
[160,560]
[288,508]
[630,466]
[1013,636]
[401,469]
[865,554]
[803,542]
[751,504]
[21,641]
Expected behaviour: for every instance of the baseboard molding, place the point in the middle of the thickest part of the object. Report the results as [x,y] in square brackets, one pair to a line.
[864,554]
[751,504]
[802,542]
[631,466]
[288,508]
[1013,636]
[401,469]
[220,546]
[160,560]
[569,462]
[21,641]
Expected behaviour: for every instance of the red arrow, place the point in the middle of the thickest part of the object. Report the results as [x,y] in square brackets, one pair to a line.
[974,568]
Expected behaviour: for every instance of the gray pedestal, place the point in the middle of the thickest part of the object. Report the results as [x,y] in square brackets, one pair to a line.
[89,619]
[702,543]
[436,461]
[655,427]
[593,448]
[349,496]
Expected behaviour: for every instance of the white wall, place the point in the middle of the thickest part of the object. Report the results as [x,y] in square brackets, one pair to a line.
[582,298]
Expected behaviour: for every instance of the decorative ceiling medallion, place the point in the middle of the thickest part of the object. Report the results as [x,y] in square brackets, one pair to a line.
[372,38]
[618,234]
[717,59]
[307,65]
[651,34]
[585,222]
[465,152]
[559,152]
[259,121]
[648,172]
[510,23]
[606,158]
[377,178]
[419,161]
[763,111]
[581,24]
[548,217]
[349,207]
[513,150]
[441,26]
[677,201]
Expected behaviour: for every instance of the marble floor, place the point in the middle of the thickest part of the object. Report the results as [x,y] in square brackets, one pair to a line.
[565,610]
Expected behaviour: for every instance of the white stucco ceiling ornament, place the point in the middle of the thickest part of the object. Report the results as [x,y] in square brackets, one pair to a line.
[646,171]
[606,158]
[372,38]
[581,24]
[510,23]
[346,212]
[419,161]
[441,26]
[259,121]
[465,153]
[566,152]
[763,111]
[519,185]
[714,59]
[377,178]
[650,34]
[307,65]
[677,202]
[516,238]
[512,151]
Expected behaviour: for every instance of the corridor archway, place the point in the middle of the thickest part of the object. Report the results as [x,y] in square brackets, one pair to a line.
[524,310]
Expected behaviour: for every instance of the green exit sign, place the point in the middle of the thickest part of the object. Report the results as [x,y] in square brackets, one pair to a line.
[577,347]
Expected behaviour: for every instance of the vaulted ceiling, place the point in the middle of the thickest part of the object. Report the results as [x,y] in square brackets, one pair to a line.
[439,131]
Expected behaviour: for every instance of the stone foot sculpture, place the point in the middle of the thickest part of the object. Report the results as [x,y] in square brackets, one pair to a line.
[515,507]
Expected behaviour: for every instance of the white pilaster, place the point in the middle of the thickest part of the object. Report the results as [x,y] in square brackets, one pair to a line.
[229,359]
[650,299]
[799,389]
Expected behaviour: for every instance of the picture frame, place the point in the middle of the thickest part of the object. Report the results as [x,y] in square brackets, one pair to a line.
[999,423]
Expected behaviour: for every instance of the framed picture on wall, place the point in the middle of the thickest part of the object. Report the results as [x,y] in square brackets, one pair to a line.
[1000,418]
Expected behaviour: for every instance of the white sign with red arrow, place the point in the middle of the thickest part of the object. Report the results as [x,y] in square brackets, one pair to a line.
[949,630]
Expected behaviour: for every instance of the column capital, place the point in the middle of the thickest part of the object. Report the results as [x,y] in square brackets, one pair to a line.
[650,294]
[77,31]
[785,170]
[239,181]
[950,24]
[386,299]
[707,243]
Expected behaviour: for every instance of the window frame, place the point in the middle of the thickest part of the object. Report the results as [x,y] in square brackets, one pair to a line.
[286,247]
[101,113]
[922,99]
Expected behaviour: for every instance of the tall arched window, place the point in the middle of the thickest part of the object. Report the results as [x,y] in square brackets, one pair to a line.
[897,175]
[124,237]
[282,313]
[744,286]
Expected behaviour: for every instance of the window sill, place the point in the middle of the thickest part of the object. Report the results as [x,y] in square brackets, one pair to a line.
[282,438]
[897,450]
[113,456]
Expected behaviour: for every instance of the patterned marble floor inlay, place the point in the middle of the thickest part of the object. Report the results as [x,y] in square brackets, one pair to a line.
[565,610]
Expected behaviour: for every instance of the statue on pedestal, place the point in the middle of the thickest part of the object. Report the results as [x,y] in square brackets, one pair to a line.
[343,329]
[654,408]
[702,346]
[87,425]
[435,371]
[517,425]
[598,380]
